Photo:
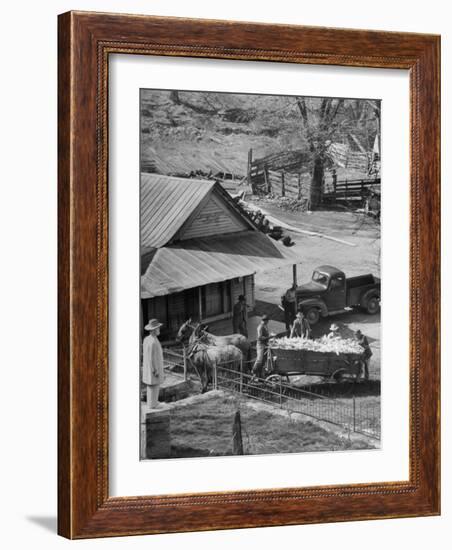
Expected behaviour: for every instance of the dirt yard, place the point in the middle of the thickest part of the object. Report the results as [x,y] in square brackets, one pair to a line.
[204,428]
[354,228]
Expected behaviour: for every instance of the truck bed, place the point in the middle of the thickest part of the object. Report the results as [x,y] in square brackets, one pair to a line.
[362,280]
[357,286]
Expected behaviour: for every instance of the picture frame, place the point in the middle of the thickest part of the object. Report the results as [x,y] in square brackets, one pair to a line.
[86,40]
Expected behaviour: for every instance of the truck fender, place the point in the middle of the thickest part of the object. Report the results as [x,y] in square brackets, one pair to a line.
[314,302]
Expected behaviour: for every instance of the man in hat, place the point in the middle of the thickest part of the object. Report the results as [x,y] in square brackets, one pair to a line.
[301,327]
[289,304]
[263,336]
[334,331]
[239,317]
[153,373]
[367,354]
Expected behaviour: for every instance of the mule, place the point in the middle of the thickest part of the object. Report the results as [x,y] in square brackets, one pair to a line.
[238,340]
[205,357]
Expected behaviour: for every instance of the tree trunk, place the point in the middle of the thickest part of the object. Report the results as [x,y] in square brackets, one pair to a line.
[316,182]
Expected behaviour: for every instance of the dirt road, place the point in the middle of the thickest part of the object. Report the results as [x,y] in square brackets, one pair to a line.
[362,258]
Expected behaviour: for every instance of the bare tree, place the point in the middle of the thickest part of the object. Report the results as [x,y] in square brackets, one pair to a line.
[320,122]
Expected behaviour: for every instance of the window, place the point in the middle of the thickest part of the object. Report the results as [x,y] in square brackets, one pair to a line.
[320,278]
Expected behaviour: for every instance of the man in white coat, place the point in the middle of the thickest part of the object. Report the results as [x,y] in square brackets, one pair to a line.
[153,373]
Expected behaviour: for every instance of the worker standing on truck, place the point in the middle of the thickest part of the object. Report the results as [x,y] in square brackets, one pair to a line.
[263,336]
[334,331]
[364,343]
[301,327]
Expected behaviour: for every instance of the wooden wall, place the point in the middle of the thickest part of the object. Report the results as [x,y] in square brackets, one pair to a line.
[172,309]
[214,218]
[283,184]
[245,286]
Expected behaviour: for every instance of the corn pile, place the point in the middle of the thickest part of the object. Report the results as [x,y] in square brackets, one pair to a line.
[323,344]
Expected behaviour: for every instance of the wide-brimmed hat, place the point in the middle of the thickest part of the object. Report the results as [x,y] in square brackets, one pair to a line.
[153,324]
[334,327]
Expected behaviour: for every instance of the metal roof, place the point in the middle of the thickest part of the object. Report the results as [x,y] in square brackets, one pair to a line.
[198,262]
[165,204]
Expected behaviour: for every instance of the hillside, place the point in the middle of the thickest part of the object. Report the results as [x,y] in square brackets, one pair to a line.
[184,132]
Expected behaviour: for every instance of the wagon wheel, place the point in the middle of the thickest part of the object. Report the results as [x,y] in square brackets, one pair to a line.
[338,375]
[269,364]
[273,380]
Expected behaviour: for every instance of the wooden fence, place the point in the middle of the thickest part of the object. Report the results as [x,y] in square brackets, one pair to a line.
[281,173]
[350,190]
[282,184]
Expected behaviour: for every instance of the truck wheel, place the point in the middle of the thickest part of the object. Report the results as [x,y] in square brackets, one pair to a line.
[373,305]
[313,315]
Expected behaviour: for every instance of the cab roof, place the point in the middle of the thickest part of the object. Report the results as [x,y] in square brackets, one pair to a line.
[329,270]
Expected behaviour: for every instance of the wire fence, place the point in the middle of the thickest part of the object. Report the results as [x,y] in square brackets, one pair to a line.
[353,413]
[319,401]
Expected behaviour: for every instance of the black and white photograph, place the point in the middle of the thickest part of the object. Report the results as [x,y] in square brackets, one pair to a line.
[260,281]
[236,334]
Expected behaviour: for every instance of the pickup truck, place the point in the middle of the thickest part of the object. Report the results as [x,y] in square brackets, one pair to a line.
[330,292]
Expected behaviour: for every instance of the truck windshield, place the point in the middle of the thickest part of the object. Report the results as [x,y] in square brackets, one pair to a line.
[320,278]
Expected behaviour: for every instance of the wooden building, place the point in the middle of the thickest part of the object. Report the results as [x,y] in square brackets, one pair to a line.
[199,251]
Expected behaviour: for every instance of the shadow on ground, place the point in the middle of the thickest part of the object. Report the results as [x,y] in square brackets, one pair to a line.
[272,310]
[49,523]
[346,388]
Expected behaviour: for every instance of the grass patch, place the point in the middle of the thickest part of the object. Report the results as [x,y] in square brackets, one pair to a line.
[206,427]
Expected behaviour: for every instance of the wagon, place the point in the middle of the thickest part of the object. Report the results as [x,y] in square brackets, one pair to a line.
[290,362]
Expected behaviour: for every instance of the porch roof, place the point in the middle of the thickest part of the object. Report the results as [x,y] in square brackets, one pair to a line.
[198,262]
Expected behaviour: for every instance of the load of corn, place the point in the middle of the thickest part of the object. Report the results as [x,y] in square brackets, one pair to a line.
[322,345]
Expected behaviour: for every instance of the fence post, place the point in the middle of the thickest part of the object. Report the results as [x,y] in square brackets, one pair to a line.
[280,392]
[237,442]
[241,376]
[248,171]
[283,184]
[184,351]
[215,381]
[334,184]
[354,413]
[267,180]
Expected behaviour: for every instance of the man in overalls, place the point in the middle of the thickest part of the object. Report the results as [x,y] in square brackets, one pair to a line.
[263,336]
[364,343]
[239,317]
[301,327]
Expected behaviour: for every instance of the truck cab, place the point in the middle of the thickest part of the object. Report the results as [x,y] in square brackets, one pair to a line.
[329,292]
[332,283]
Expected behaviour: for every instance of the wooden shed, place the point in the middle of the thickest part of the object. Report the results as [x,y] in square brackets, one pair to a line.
[199,251]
